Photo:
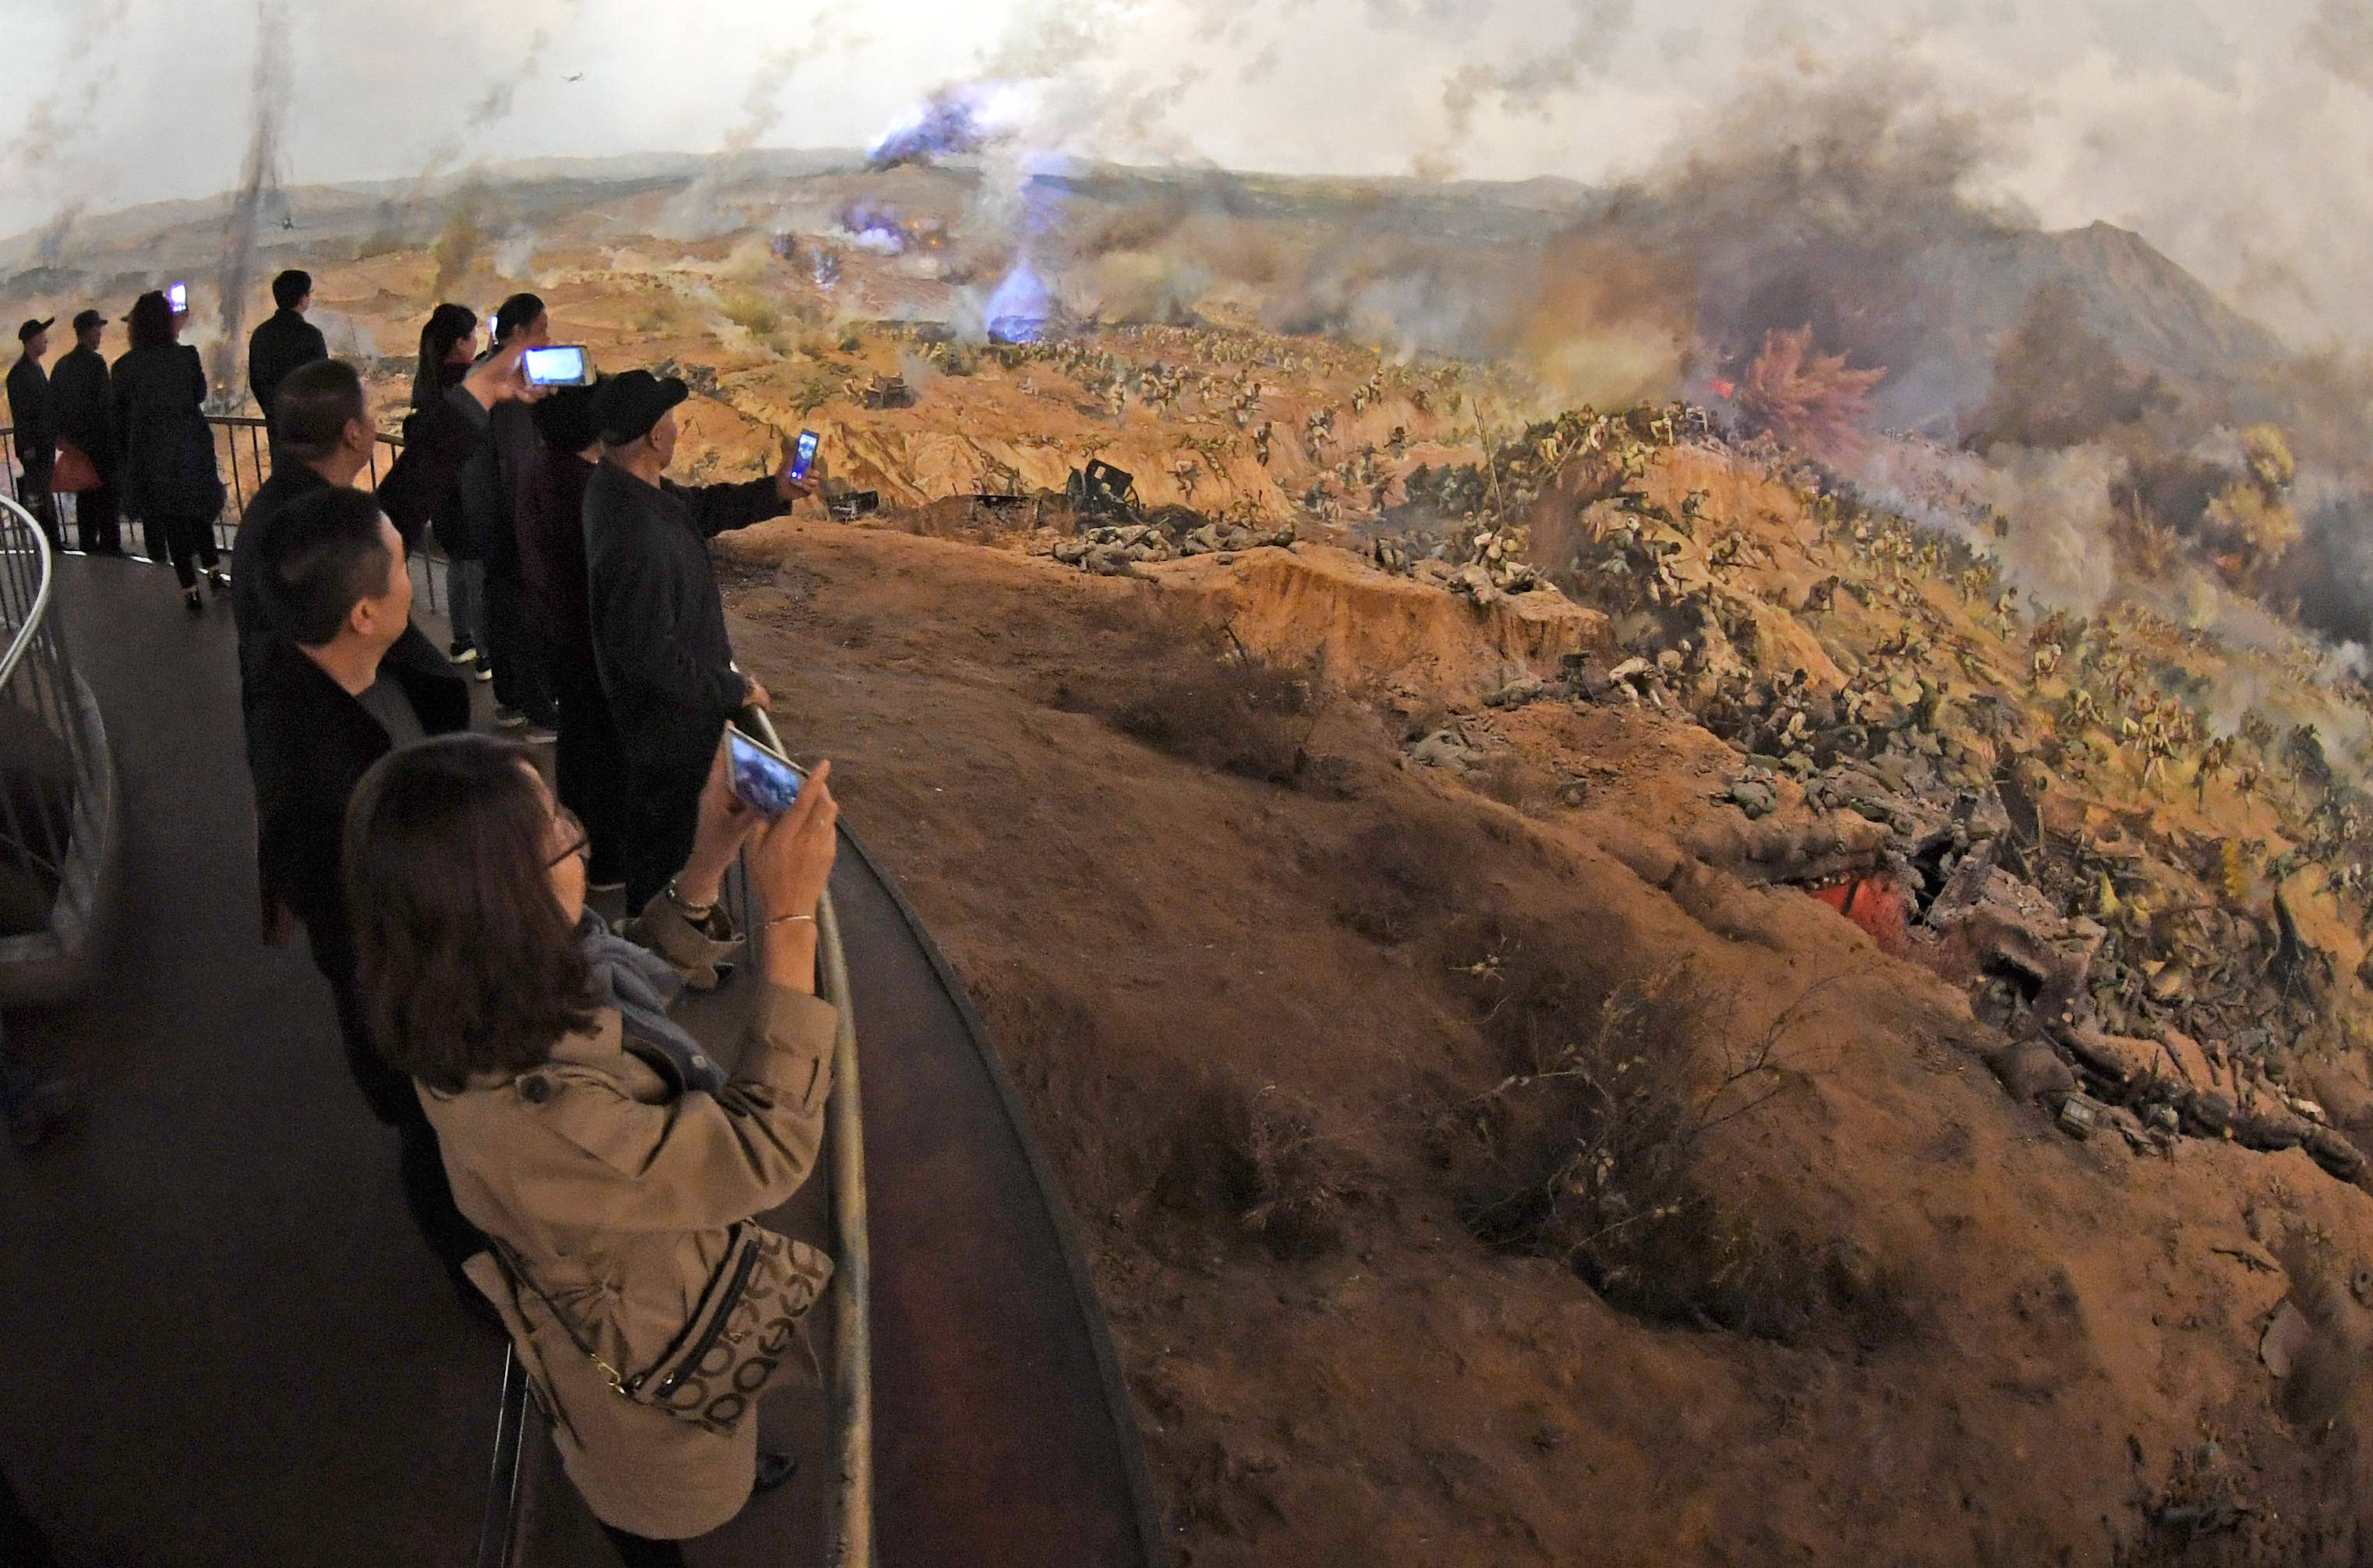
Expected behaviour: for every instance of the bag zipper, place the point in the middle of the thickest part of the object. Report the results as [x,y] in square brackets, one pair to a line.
[733,1297]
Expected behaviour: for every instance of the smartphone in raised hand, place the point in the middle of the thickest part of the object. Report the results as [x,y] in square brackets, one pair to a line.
[560,366]
[804,455]
[764,779]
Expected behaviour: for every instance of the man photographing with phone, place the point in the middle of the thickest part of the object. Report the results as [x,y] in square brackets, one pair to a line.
[660,641]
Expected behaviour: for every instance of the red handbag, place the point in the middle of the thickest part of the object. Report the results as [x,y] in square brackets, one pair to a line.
[73,472]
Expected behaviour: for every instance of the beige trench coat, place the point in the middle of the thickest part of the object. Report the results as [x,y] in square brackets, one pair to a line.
[617,1197]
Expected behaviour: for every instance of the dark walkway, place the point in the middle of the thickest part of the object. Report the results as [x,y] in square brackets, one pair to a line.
[226,1343]
[229,1346]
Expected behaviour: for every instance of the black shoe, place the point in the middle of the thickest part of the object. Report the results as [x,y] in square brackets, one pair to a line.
[774,1469]
[218,579]
[191,601]
[462,652]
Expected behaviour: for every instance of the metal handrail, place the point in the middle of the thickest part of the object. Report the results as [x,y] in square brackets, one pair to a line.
[60,810]
[849,1521]
[237,488]
[25,629]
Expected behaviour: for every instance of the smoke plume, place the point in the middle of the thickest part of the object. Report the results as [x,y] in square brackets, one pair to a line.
[267,99]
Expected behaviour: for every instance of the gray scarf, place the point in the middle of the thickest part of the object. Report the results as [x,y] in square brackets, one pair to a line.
[642,986]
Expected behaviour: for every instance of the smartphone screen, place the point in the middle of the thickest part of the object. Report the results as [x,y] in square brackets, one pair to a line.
[564,366]
[803,457]
[761,779]
[177,296]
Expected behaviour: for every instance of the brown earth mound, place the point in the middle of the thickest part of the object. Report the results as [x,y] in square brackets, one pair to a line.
[1294,1047]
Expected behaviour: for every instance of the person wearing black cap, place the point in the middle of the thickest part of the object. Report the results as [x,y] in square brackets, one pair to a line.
[78,391]
[283,340]
[659,623]
[36,423]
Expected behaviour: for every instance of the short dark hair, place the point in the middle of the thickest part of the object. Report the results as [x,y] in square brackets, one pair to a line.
[467,964]
[519,310]
[565,419]
[312,406]
[151,320]
[326,556]
[290,287]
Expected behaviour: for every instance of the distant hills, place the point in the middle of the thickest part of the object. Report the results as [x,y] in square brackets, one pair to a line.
[1959,306]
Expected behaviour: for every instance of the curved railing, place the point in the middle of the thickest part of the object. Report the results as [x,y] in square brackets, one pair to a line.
[59,816]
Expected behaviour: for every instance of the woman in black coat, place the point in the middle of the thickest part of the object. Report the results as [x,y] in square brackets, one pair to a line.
[169,478]
[449,345]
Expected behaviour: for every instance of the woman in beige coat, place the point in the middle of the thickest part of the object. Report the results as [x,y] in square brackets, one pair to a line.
[598,1148]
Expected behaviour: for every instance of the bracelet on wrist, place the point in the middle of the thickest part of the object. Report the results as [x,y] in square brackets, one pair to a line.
[787,919]
[691,911]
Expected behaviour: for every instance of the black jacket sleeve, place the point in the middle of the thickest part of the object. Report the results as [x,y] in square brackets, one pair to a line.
[29,410]
[721,509]
[438,447]
[299,828]
[635,618]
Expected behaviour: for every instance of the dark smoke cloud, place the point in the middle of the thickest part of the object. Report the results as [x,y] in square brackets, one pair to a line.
[494,105]
[1529,85]
[259,176]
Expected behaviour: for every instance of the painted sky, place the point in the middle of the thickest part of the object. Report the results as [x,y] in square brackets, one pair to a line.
[2237,138]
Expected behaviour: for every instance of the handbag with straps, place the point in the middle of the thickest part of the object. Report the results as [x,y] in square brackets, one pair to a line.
[750,1314]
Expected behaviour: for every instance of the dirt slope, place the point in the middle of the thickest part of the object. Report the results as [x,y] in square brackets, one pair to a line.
[1221,995]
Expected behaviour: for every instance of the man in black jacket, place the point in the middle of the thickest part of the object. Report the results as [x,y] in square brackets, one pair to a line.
[35,423]
[283,340]
[85,405]
[321,429]
[659,623]
[343,678]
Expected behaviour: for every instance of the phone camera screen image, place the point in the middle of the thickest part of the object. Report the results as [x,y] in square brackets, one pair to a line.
[760,778]
[556,367]
[803,458]
[177,296]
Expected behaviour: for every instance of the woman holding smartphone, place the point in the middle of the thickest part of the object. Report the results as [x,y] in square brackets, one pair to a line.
[171,481]
[614,1165]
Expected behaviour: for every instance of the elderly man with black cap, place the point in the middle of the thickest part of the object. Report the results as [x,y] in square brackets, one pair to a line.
[80,394]
[658,638]
[36,422]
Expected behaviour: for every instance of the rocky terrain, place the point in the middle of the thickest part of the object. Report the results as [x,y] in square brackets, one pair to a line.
[1605,988]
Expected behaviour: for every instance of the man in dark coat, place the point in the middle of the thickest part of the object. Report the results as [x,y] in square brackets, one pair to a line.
[659,623]
[36,423]
[343,678]
[321,429]
[283,340]
[325,693]
[85,404]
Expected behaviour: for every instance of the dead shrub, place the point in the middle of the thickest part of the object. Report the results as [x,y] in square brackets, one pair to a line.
[1257,1161]
[1394,875]
[1592,1152]
[1201,696]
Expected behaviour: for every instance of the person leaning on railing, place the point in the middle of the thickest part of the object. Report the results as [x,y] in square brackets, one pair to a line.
[170,483]
[614,1165]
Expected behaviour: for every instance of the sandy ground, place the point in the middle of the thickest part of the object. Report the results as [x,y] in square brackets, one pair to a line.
[2033,1350]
